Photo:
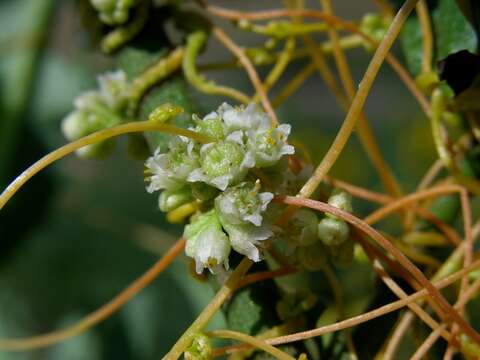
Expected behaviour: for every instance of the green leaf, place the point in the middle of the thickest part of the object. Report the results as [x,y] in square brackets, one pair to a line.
[452,32]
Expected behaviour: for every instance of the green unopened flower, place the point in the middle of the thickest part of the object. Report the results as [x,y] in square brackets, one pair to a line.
[243,203]
[170,170]
[113,12]
[200,349]
[375,26]
[171,199]
[341,200]
[207,243]
[333,231]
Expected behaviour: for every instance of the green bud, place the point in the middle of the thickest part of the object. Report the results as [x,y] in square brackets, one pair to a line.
[171,199]
[200,349]
[164,113]
[333,231]
[341,200]
[210,126]
[113,12]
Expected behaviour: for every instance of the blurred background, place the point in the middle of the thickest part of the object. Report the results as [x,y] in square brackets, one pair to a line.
[82,230]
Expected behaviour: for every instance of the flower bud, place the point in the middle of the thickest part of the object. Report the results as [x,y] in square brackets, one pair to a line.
[333,231]
[207,243]
[171,199]
[200,349]
[341,200]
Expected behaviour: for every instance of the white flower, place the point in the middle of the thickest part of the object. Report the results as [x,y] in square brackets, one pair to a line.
[243,203]
[207,243]
[222,164]
[115,89]
[245,238]
[171,170]
[269,145]
[241,118]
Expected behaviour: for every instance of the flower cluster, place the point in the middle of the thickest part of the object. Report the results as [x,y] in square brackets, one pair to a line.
[310,241]
[221,176]
[96,110]
[113,12]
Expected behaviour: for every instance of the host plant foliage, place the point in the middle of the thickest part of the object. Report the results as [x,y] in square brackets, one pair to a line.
[251,199]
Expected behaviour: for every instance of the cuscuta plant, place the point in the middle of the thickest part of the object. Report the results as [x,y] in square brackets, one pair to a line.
[212,173]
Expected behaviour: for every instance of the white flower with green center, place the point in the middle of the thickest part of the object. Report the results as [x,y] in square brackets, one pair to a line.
[170,170]
[210,125]
[115,89]
[207,243]
[243,118]
[269,145]
[91,114]
[222,163]
[113,12]
[242,204]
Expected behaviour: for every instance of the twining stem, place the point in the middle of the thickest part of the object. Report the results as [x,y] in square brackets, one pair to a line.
[364,130]
[359,319]
[265,275]
[195,43]
[120,36]
[154,74]
[346,25]
[279,67]
[426,27]
[100,314]
[249,68]
[293,85]
[222,295]
[359,100]
[436,296]
[256,342]
[427,344]
[96,137]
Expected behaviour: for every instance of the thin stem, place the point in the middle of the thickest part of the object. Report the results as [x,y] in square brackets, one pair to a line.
[398,335]
[426,27]
[258,343]
[250,69]
[427,179]
[154,74]
[364,130]
[346,25]
[436,296]
[207,313]
[293,85]
[195,43]
[428,343]
[358,101]
[359,319]
[96,137]
[406,200]
[100,314]
[265,275]
[279,67]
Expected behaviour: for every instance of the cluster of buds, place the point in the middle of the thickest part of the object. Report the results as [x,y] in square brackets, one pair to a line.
[310,241]
[221,176]
[96,110]
[113,12]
